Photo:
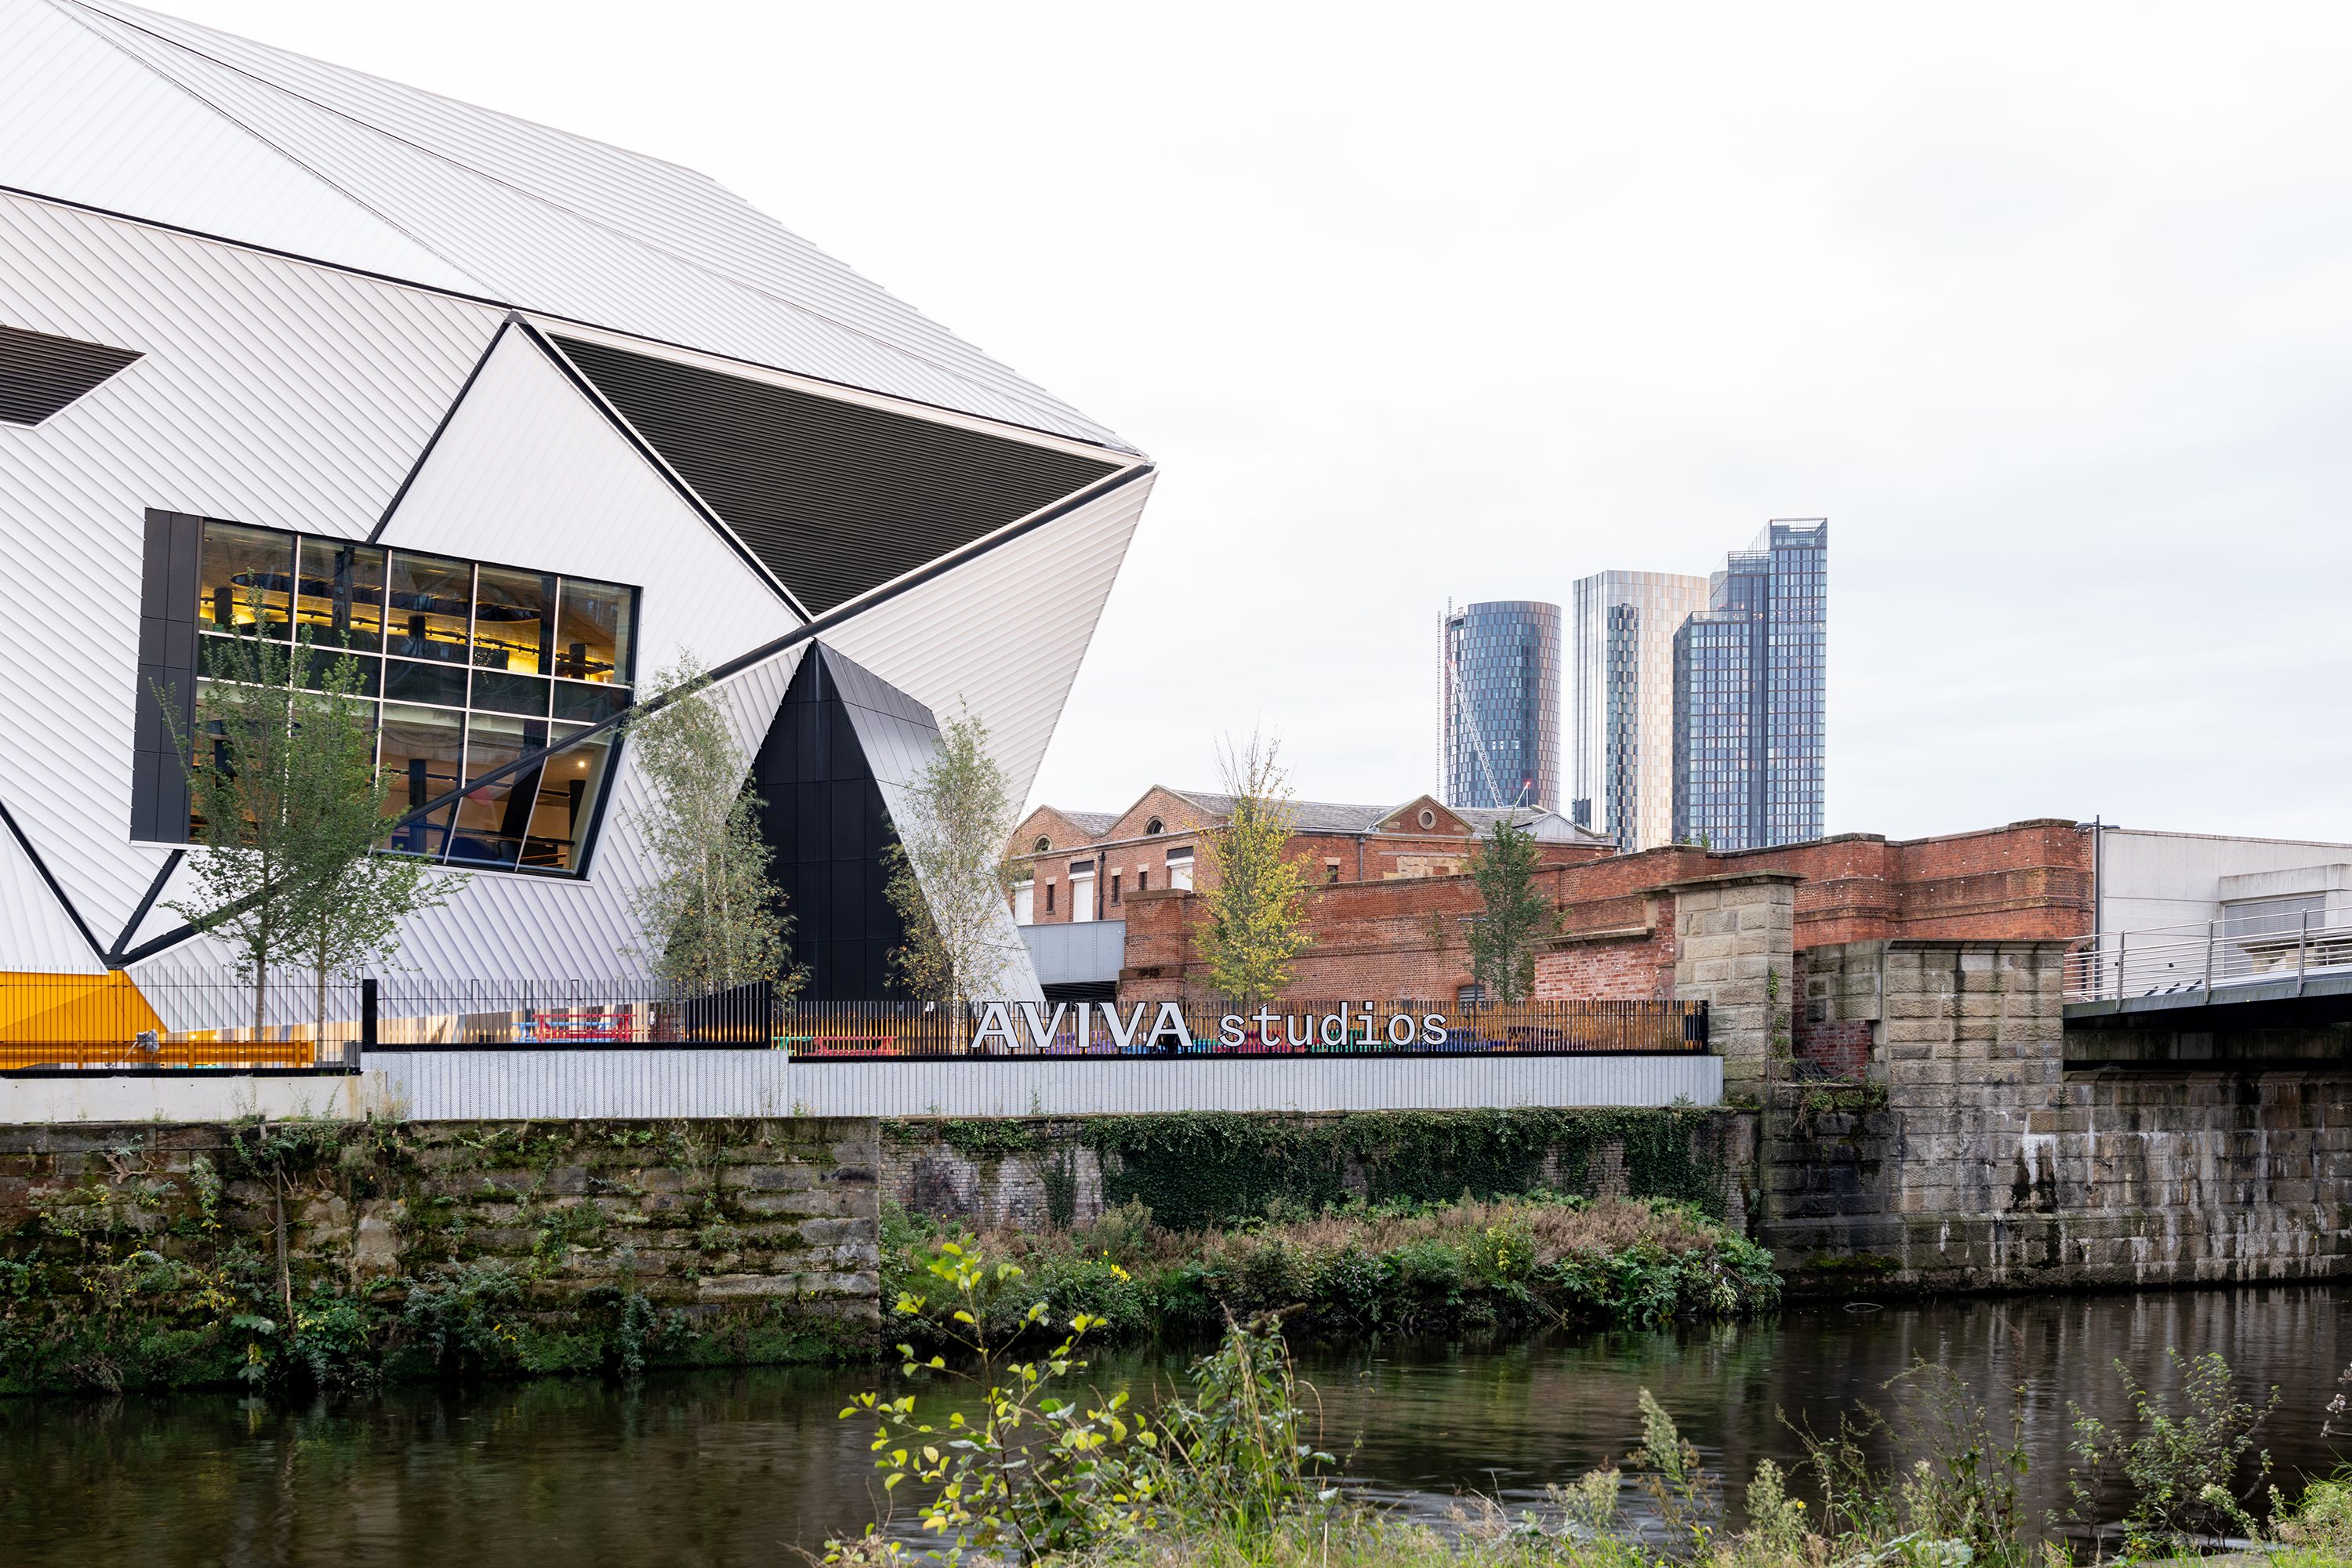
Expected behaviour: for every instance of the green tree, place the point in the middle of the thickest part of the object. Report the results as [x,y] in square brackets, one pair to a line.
[352,911]
[949,877]
[1516,918]
[281,775]
[713,918]
[1256,903]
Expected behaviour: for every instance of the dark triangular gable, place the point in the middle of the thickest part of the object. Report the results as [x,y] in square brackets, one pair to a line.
[825,821]
[835,498]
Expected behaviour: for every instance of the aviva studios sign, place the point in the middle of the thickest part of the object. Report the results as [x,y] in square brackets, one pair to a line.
[1007,1028]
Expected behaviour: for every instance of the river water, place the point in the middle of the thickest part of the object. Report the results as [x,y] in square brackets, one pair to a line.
[739,1467]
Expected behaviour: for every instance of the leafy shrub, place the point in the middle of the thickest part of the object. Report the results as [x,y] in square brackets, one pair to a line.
[2179,1455]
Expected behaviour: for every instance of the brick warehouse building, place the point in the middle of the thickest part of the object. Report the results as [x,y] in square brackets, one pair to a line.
[1078,866]
[1628,919]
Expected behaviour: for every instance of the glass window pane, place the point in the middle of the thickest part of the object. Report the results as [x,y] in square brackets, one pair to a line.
[522,694]
[588,704]
[429,607]
[243,569]
[342,594]
[567,802]
[493,819]
[356,675]
[418,755]
[593,632]
[407,681]
[512,629]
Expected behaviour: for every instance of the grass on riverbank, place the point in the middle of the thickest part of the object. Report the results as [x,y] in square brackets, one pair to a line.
[1039,1468]
[1406,1267]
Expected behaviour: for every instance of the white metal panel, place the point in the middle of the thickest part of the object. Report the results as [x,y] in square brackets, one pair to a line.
[1005,633]
[36,935]
[538,1085]
[530,471]
[272,392]
[83,119]
[526,470]
[561,224]
[1081,1085]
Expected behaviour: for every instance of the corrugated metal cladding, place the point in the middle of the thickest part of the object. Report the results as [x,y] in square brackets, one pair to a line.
[40,374]
[140,113]
[1047,1086]
[1023,613]
[836,498]
[513,1086]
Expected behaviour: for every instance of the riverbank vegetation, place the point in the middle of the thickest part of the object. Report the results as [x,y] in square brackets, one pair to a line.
[241,1266]
[1410,1267]
[1021,1462]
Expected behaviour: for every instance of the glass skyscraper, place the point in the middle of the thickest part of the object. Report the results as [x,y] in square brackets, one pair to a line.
[1748,683]
[1499,699]
[1621,715]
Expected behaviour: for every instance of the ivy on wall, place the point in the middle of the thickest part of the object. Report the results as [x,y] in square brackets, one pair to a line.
[1200,1170]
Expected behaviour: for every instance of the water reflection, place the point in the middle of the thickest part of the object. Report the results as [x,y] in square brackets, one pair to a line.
[727,1468]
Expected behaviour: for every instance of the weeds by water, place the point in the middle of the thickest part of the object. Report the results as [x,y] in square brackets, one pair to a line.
[1406,1267]
[1228,1475]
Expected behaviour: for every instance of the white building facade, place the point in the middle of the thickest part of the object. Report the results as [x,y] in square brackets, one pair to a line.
[519,419]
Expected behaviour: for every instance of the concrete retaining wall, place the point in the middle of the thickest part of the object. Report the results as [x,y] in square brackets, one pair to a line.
[100,1096]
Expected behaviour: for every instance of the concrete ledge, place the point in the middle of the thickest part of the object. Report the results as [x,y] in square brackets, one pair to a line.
[1085,1086]
[191,1096]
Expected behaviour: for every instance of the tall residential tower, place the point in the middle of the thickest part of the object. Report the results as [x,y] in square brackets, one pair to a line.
[1499,696]
[1748,683]
[1623,713]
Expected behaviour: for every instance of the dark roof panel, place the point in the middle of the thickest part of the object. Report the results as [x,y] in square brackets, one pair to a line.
[835,498]
[40,374]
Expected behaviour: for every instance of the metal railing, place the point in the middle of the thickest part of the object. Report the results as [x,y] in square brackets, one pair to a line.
[110,1022]
[2190,960]
[1213,1027]
[116,1022]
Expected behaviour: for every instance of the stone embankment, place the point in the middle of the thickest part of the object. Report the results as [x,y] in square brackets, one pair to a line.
[145,1254]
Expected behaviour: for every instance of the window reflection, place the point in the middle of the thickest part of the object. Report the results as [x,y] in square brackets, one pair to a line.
[342,601]
[593,632]
[473,666]
[419,757]
[430,608]
[493,817]
[512,628]
[567,798]
[241,566]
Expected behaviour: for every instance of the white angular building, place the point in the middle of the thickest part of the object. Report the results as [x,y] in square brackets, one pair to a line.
[520,417]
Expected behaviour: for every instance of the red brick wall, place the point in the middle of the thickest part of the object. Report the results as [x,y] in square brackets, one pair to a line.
[1403,939]
[1622,969]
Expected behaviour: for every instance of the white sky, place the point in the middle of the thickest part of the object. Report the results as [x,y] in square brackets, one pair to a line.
[2041,305]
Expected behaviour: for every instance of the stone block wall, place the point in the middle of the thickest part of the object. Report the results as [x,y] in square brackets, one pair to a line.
[1973,1158]
[1026,1173]
[1733,950]
[728,1227]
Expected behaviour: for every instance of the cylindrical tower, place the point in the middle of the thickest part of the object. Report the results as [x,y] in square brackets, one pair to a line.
[1499,699]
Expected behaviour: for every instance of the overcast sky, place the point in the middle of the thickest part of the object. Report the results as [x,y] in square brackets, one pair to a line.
[2041,306]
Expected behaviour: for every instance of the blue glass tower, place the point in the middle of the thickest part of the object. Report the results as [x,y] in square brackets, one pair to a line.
[1500,702]
[1750,682]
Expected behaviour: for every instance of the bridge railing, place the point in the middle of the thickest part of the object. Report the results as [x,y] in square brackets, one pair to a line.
[2211,956]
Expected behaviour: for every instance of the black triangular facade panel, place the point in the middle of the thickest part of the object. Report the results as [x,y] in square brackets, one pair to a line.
[827,828]
[40,374]
[835,498]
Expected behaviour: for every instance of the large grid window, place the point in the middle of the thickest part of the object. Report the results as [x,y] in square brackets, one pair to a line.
[466,667]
